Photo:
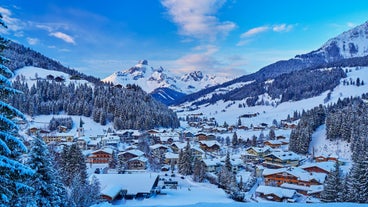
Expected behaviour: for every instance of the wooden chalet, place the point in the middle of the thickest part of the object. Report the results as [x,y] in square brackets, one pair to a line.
[319,167]
[129,186]
[58,137]
[275,193]
[275,143]
[254,154]
[210,146]
[130,154]
[100,156]
[138,163]
[296,176]
[280,159]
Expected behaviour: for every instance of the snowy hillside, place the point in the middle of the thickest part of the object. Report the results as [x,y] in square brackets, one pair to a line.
[229,111]
[150,78]
[32,74]
[352,43]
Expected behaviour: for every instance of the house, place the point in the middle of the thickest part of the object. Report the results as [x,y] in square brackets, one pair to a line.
[254,154]
[137,163]
[210,146]
[292,175]
[171,158]
[212,165]
[279,159]
[177,146]
[110,140]
[100,156]
[139,185]
[319,167]
[275,143]
[201,136]
[275,193]
[313,190]
[130,154]
[325,158]
[158,150]
[58,137]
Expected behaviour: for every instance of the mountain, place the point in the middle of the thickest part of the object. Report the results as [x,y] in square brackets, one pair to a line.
[347,49]
[163,84]
[20,56]
[49,88]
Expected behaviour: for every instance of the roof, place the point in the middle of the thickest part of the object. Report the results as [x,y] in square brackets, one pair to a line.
[170,155]
[309,189]
[327,166]
[133,183]
[135,152]
[284,155]
[279,192]
[106,150]
[156,146]
[210,143]
[297,172]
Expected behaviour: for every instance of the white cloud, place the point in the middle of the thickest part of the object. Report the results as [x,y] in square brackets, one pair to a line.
[350,24]
[13,24]
[282,28]
[254,31]
[63,37]
[245,37]
[197,18]
[32,41]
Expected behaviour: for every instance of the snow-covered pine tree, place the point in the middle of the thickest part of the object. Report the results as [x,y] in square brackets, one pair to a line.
[271,134]
[235,140]
[357,181]
[332,186]
[113,162]
[186,166]
[72,165]
[48,190]
[12,172]
[199,171]
[227,162]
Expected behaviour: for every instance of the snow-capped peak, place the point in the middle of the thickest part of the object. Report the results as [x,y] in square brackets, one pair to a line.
[150,78]
[349,44]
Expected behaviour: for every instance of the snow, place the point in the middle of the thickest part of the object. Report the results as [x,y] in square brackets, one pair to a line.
[279,192]
[133,183]
[321,146]
[31,72]
[150,79]
[237,204]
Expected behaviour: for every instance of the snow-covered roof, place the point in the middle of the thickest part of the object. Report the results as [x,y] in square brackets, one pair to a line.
[136,152]
[156,146]
[327,166]
[170,155]
[309,189]
[210,143]
[279,192]
[297,172]
[133,183]
[211,162]
[285,155]
[106,150]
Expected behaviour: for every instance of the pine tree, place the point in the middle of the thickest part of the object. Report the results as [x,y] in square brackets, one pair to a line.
[199,171]
[72,165]
[332,186]
[12,173]
[47,186]
[235,141]
[271,134]
[113,162]
[186,167]
[227,162]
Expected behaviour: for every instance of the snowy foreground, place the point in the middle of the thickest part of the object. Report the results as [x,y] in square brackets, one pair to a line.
[235,204]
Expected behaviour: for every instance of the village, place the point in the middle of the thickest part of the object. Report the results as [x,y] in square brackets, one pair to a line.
[134,164]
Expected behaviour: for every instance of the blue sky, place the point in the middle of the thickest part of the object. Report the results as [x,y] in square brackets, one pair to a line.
[225,37]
